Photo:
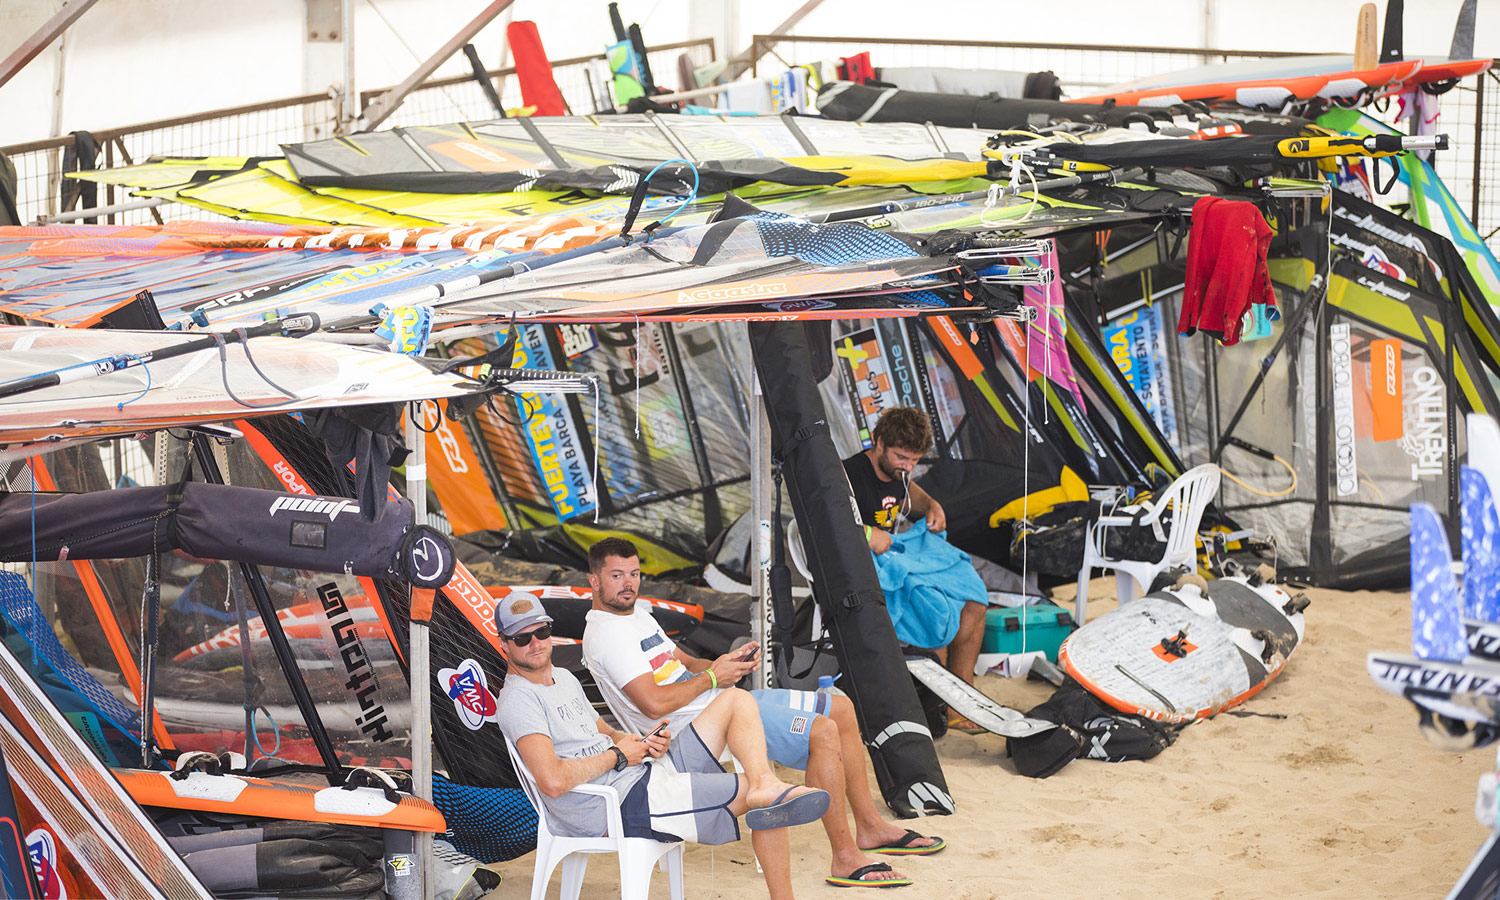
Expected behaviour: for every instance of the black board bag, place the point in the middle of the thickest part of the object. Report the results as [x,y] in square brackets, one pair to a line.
[845,585]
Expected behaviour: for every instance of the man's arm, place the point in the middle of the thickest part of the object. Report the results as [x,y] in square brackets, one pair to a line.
[556,776]
[658,700]
[923,506]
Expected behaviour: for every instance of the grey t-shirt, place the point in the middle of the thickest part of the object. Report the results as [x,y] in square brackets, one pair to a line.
[562,712]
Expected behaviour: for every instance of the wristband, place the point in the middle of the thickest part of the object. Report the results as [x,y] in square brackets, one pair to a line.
[867,534]
[713,680]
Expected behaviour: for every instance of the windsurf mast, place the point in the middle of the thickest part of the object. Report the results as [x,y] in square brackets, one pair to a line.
[290,326]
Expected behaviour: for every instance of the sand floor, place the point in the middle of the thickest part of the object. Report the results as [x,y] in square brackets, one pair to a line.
[1343,798]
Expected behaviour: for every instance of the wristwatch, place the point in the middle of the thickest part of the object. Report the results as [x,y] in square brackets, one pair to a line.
[620,761]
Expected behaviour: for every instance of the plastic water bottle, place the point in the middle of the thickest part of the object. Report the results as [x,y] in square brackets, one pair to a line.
[825,685]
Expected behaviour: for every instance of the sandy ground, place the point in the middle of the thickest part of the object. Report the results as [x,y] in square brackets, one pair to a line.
[1343,798]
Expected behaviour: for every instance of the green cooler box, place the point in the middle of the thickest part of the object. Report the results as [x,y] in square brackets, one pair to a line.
[1046,626]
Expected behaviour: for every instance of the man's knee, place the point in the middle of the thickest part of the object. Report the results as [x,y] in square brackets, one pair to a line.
[823,735]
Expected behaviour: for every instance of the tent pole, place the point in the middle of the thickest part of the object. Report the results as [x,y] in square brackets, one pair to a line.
[381,107]
[420,662]
[760,539]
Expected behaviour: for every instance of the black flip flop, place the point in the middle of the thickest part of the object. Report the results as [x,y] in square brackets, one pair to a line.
[857,878]
[902,846]
[784,813]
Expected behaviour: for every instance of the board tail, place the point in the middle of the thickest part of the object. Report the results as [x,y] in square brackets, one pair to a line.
[1436,629]
[1391,49]
[1480,527]
[1463,32]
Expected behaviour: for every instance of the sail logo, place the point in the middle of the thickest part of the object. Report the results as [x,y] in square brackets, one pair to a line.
[362,685]
[434,422]
[314,505]
[467,687]
[1426,440]
[42,849]
[731,293]
[1345,468]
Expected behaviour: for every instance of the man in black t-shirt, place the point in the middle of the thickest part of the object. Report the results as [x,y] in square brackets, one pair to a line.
[883,491]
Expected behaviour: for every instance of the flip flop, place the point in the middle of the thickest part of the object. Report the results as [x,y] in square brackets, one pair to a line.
[902,846]
[784,813]
[857,878]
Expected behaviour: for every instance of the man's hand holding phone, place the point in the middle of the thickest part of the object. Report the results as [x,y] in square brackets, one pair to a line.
[658,739]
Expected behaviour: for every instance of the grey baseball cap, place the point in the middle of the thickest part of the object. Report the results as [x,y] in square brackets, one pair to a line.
[517,611]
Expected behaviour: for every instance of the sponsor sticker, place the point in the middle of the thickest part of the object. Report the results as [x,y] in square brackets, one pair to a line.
[470,693]
[42,849]
[1385,390]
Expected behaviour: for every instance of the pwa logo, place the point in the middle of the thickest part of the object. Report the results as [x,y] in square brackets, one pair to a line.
[42,849]
[470,693]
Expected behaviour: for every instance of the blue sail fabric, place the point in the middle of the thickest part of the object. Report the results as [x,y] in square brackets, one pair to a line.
[1480,529]
[1436,629]
[926,581]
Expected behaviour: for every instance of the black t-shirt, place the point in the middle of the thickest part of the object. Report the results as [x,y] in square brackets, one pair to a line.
[879,502]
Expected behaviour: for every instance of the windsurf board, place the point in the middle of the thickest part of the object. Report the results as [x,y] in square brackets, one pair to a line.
[970,702]
[1183,654]
[245,796]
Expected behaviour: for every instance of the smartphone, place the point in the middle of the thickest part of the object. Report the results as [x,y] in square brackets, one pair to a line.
[753,654]
[653,732]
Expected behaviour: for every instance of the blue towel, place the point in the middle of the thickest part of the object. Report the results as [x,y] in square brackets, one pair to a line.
[926,582]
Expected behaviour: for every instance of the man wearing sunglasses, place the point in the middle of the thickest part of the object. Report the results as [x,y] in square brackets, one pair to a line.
[672,789]
[646,676]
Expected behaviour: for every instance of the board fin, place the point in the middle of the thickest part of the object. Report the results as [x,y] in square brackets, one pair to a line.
[1364,39]
[1436,629]
[1391,49]
[1463,32]
[1480,530]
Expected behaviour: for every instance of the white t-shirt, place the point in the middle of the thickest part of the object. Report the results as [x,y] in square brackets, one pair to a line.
[620,649]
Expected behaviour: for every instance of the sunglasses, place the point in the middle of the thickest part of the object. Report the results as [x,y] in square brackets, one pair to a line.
[521,640]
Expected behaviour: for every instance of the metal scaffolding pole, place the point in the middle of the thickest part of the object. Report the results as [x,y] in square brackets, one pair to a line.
[381,107]
[754,52]
[44,36]
[421,709]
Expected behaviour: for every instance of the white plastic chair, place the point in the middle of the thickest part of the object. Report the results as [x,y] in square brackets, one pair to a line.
[1188,497]
[637,855]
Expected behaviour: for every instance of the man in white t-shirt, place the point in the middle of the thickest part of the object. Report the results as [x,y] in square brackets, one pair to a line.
[673,789]
[646,678]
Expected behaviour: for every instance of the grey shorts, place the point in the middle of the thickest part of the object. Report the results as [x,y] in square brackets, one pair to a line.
[684,796]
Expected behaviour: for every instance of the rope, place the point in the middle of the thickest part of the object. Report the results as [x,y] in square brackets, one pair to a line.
[692,194]
[1230,475]
[120,407]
